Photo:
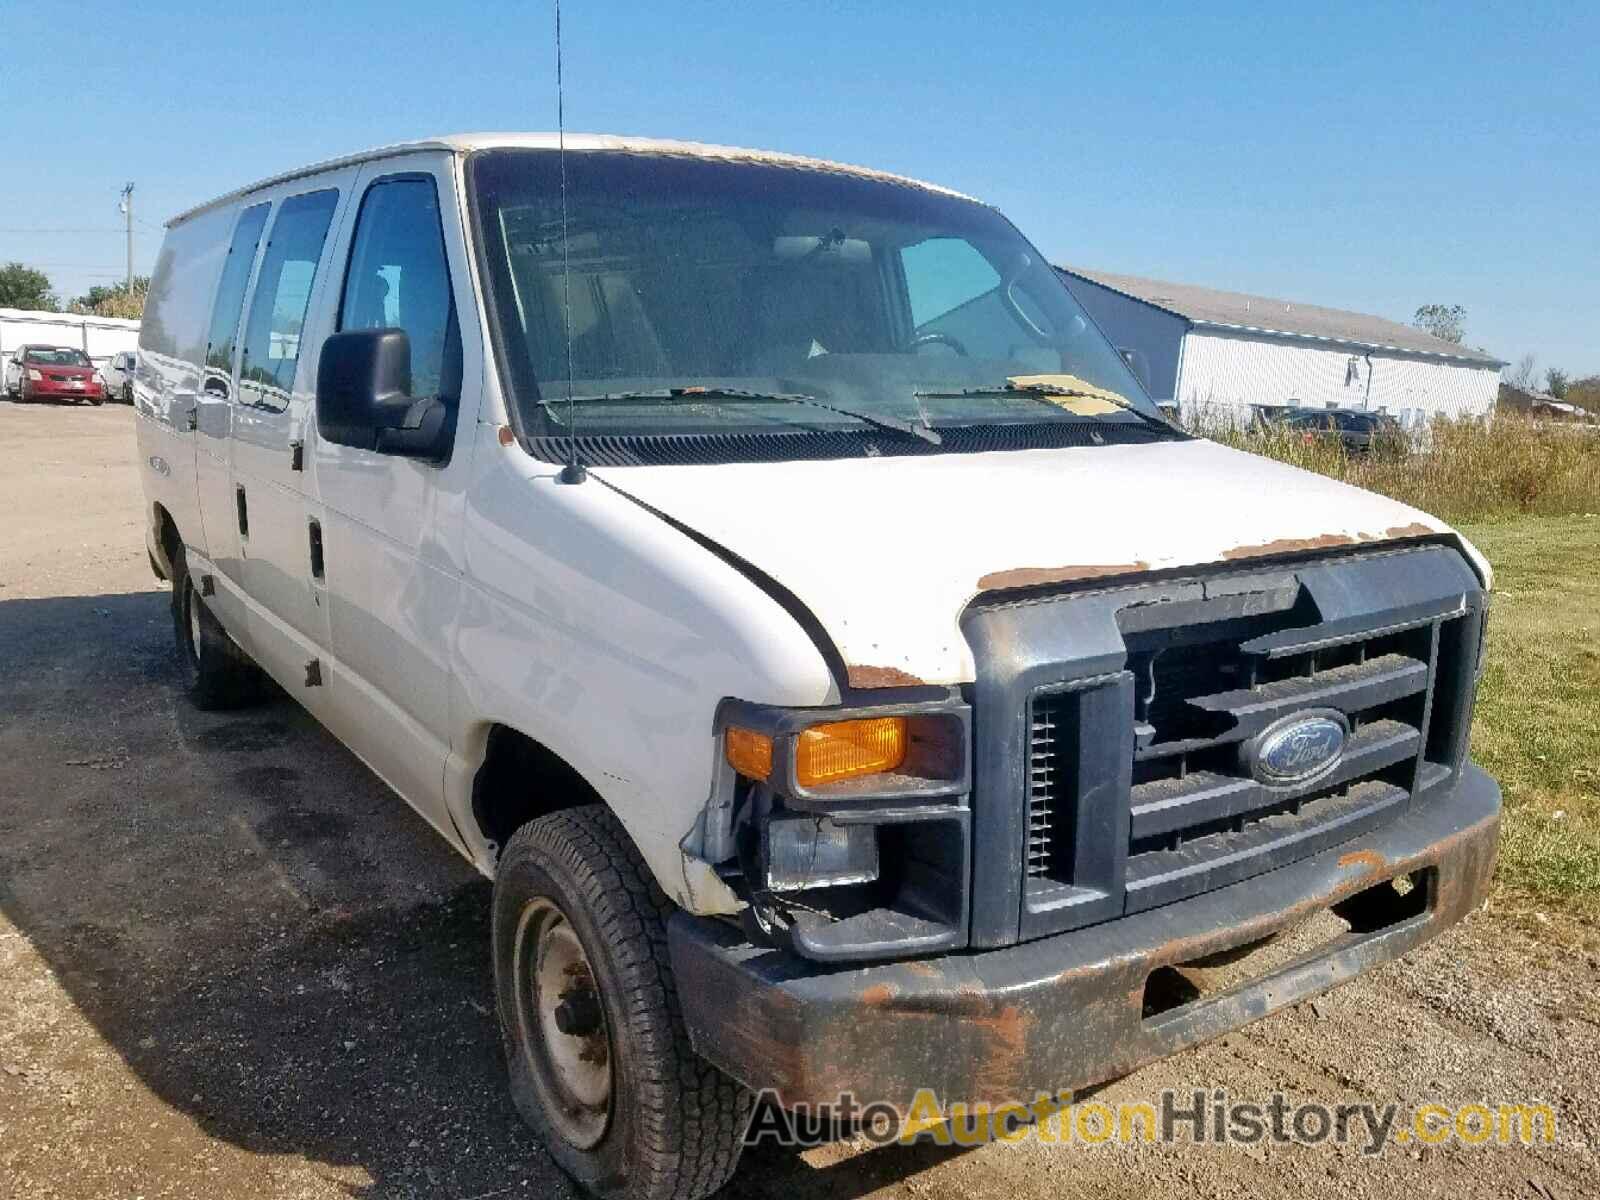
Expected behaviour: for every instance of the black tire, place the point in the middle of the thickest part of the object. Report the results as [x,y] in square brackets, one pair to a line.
[216,673]
[673,1125]
[96,403]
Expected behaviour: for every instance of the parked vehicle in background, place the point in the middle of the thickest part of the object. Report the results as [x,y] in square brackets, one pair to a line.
[118,375]
[1357,430]
[53,373]
[765,572]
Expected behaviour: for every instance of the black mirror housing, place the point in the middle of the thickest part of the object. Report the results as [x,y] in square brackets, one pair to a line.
[364,397]
[363,385]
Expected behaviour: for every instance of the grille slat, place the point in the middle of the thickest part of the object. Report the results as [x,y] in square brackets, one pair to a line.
[1351,688]
[1161,877]
[1169,805]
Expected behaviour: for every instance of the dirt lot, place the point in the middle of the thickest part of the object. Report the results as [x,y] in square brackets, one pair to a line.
[233,965]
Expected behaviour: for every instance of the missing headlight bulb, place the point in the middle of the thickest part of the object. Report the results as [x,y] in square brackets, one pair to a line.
[807,852]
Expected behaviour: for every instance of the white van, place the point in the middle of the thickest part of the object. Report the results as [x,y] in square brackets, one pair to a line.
[766,572]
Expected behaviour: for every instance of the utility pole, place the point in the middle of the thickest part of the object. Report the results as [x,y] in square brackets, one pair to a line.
[126,209]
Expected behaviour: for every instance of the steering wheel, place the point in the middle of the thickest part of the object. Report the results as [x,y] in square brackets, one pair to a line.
[942,339]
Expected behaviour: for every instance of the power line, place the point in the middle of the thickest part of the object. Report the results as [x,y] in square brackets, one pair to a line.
[58,266]
[31,231]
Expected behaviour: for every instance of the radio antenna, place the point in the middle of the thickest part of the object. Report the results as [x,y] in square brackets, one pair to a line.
[574,471]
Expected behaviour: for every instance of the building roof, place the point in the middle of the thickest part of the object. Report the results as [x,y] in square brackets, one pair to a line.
[465,143]
[37,316]
[1237,311]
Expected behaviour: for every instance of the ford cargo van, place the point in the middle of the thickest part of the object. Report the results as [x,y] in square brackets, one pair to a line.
[766,572]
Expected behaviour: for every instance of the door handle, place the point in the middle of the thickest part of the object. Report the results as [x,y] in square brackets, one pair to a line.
[244,511]
[314,536]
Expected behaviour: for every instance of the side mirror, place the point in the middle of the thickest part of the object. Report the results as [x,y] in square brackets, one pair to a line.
[364,397]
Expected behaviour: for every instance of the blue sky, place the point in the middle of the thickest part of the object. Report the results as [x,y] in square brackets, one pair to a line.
[1373,157]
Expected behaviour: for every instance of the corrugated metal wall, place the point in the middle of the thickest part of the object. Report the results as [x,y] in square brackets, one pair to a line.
[1222,370]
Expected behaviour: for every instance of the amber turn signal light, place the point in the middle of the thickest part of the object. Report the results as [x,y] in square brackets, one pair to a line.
[748,752]
[848,749]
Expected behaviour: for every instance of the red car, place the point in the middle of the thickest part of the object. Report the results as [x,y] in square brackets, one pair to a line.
[53,373]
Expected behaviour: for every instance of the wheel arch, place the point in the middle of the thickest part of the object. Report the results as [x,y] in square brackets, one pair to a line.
[166,543]
[519,778]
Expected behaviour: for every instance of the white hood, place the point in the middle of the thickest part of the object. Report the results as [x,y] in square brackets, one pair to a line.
[886,552]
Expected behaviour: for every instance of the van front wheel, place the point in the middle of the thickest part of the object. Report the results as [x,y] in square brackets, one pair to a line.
[600,1062]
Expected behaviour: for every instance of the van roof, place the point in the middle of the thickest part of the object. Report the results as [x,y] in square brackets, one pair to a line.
[464,143]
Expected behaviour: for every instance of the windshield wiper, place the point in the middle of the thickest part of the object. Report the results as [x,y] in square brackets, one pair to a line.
[690,394]
[1043,392]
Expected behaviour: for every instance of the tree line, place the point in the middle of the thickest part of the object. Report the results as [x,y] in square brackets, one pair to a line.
[22,286]
[1449,322]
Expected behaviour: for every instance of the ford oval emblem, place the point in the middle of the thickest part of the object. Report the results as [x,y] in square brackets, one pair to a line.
[1298,748]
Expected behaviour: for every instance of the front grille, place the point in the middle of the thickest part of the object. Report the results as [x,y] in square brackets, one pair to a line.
[1045,773]
[1201,678]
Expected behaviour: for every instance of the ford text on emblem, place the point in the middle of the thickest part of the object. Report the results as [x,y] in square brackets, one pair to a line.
[1298,748]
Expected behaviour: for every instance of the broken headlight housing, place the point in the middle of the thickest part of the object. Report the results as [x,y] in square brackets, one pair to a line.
[848,830]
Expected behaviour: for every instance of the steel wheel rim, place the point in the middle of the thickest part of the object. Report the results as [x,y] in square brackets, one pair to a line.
[562,1024]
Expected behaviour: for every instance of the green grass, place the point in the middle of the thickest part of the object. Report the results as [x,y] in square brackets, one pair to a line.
[1537,727]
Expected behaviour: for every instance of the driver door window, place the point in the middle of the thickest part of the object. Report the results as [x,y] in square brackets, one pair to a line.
[398,279]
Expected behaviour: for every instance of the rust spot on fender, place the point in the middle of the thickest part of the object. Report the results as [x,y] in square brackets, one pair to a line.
[878,995]
[1289,546]
[1415,529]
[1021,577]
[882,677]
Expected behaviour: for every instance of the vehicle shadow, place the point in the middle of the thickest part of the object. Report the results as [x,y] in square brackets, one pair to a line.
[274,944]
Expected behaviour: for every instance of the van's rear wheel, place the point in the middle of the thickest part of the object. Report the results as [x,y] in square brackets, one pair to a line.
[599,1059]
[216,673]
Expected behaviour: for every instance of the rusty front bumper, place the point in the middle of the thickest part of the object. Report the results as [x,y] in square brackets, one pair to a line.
[1069,1011]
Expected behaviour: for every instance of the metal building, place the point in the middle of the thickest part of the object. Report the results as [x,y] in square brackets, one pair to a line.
[1229,353]
[98,337]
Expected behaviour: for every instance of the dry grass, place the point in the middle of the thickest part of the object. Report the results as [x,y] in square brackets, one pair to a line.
[1462,471]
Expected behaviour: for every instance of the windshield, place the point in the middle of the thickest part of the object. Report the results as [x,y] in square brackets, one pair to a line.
[58,357]
[714,296]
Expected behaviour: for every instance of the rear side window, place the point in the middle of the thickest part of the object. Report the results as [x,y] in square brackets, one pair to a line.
[282,295]
[230,292]
[398,278]
[182,286]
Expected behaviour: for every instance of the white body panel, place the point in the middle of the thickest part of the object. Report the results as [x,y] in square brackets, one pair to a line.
[1236,371]
[888,551]
[486,592]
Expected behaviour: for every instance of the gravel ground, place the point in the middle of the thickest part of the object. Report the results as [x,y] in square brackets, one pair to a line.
[234,965]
